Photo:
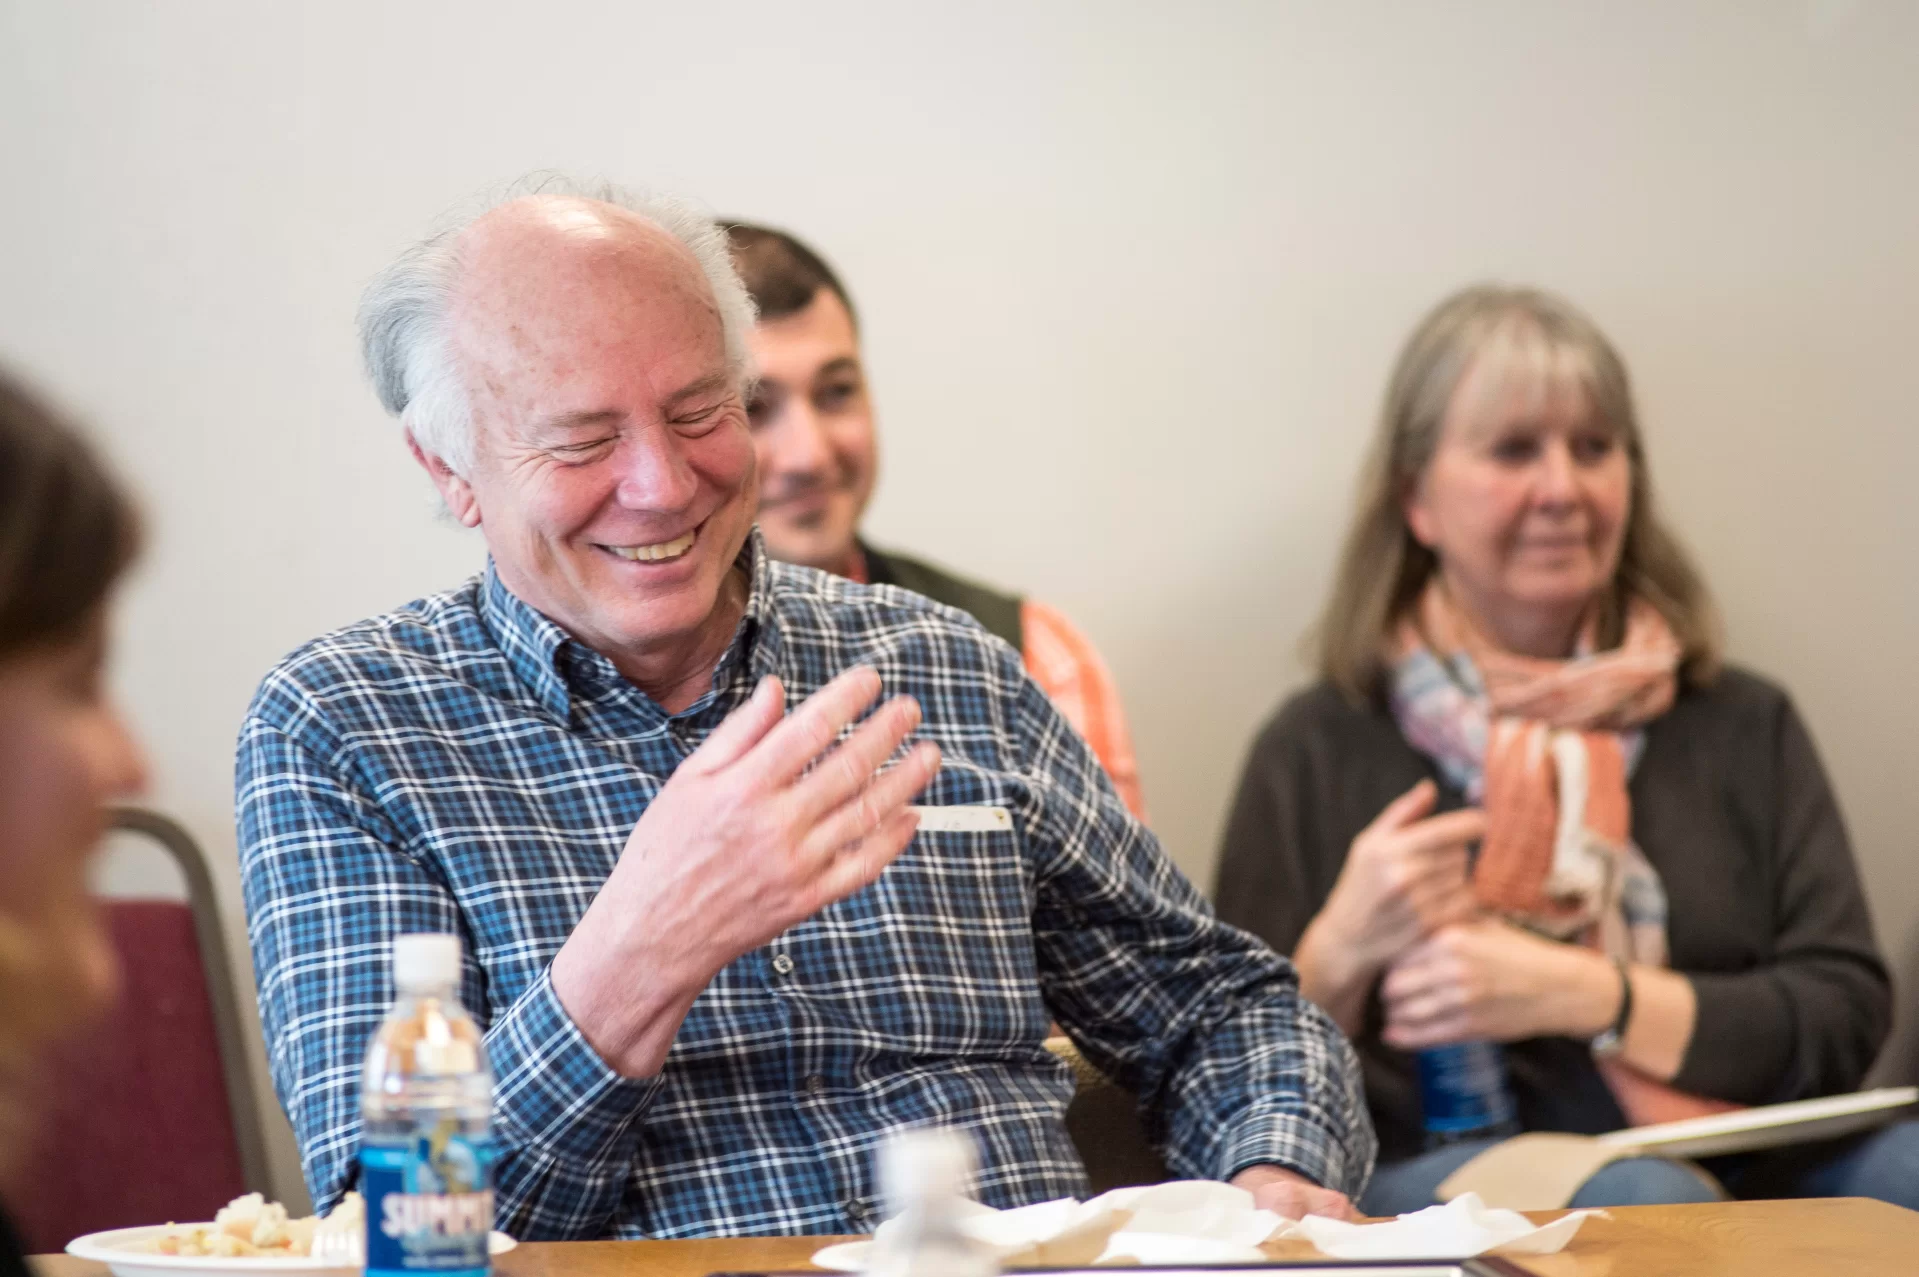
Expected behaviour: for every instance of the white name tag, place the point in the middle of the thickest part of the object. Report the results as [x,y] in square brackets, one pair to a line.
[963,820]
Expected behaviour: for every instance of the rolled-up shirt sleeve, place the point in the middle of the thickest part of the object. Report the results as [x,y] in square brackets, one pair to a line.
[328,884]
[1203,1022]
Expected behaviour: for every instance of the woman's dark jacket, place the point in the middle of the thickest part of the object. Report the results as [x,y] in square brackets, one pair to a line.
[1730,805]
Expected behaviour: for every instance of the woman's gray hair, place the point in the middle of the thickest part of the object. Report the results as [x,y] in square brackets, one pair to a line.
[1534,339]
[404,336]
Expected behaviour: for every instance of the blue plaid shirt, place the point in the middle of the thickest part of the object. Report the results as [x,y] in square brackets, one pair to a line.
[463,765]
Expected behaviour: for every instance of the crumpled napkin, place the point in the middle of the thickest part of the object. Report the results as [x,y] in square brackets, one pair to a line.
[1184,1222]
[1461,1228]
[1207,1222]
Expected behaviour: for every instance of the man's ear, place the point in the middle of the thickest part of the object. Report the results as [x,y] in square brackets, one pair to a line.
[456,492]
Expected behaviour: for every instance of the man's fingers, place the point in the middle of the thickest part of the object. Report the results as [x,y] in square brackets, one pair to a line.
[813,725]
[744,728]
[1296,1201]
[851,767]
[1332,1205]
[855,868]
[890,791]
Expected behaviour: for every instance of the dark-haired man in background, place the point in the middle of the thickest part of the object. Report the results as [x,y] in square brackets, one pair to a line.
[812,422]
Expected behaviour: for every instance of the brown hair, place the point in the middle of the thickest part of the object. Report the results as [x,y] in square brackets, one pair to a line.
[1382,568]
[66,530]
[782,274]
[66,534]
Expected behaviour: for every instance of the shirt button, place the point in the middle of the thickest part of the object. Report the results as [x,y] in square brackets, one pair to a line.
[782,964]
[815,1084]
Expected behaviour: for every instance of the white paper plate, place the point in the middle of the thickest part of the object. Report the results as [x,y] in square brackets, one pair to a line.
[845,1257]
[110,1248]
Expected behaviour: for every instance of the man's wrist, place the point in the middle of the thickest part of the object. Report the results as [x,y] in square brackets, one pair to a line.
[1252,1177]
[629,1024]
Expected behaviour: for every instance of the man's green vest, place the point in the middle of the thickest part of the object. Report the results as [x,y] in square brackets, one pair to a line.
[996,611]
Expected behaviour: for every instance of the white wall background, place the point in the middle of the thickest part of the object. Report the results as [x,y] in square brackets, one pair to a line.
[1131,276]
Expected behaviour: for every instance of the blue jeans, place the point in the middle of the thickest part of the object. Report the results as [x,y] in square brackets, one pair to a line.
[1398,1187]
[1883,1164]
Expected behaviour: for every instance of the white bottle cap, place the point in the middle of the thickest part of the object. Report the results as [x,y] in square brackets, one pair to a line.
[923,1164]
[426,963]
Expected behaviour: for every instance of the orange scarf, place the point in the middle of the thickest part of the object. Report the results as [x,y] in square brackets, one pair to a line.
[1547,747]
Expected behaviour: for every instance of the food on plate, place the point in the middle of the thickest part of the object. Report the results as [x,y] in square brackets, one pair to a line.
[251,1227]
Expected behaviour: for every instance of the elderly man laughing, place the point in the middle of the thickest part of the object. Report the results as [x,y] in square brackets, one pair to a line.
[632,763]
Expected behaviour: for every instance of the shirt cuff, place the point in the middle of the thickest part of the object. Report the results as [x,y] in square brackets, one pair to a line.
[1297,1144]
[553,1091]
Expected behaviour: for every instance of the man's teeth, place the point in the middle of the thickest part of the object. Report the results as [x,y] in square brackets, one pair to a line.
[650,553]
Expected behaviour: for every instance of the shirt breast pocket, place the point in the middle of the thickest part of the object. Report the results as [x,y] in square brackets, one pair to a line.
[940,948]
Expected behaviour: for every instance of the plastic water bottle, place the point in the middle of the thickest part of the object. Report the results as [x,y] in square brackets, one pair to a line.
[923,1177]
[1464,1094]
[426,1166]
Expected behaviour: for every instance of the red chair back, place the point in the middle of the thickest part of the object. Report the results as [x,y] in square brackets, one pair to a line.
[137,1128]
[147,1115]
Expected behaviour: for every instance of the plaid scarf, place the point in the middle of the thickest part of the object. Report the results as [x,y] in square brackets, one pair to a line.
[1546,748]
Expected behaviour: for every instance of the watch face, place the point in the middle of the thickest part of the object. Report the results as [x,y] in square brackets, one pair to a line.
[1607,1044]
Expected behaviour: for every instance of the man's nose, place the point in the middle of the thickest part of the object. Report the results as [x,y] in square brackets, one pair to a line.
[654,472]
[794,442]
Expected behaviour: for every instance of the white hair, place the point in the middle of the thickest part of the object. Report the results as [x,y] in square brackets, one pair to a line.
[404,334]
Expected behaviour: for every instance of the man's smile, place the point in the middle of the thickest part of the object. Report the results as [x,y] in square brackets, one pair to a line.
[656,552]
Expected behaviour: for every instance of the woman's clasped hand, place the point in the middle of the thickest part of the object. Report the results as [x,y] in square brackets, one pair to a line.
[1489,981]
[1403,880]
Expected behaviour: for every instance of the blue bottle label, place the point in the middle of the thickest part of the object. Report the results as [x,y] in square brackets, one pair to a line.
[1463,1089]
[429,1202]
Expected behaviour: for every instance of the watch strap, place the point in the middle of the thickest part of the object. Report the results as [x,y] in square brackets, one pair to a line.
[1612,1040]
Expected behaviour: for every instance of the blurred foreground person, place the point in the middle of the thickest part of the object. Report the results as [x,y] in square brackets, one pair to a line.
[813,429]
[66,535]
[716,953]
[1663,918]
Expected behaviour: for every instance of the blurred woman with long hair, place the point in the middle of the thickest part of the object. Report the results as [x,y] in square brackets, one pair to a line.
[67,533]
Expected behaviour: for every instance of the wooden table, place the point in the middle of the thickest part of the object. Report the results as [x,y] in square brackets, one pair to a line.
[1847,1237]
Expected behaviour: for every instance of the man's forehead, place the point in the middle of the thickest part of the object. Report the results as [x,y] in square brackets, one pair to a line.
[546,244]
[814,339]
[561,279]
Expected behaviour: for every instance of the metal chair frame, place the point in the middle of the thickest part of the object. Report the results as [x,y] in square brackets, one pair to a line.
[222,994]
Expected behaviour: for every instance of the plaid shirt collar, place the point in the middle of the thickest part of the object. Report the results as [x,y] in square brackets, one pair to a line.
[558,669]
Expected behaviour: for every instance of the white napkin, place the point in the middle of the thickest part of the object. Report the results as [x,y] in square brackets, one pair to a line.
[1461,1228]
[1184,1222]
[1206,1222]
[1193,1221]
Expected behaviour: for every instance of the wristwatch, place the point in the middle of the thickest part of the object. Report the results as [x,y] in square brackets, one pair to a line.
[1613,1040]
